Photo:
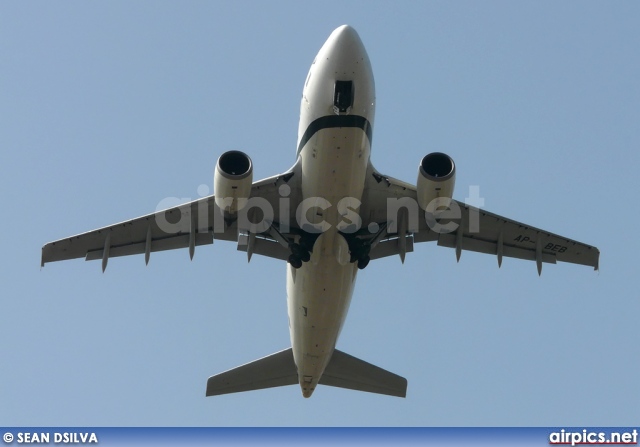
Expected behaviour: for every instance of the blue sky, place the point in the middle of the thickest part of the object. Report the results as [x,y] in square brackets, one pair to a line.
[107,108]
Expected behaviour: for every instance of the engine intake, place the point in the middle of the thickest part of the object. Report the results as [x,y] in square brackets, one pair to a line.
[436,178]
[232,180]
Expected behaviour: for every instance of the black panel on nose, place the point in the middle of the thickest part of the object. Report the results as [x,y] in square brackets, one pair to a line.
[343,96]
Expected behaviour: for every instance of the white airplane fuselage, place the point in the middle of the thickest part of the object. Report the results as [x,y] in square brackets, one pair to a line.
[334,145]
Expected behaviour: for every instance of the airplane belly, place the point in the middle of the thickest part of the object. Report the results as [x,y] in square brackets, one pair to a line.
[319,295]
[334,164]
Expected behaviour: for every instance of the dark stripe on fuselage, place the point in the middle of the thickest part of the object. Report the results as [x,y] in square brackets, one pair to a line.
[333,121]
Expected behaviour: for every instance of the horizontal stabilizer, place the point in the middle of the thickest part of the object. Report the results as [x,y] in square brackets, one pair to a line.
[346,371]
[273,370]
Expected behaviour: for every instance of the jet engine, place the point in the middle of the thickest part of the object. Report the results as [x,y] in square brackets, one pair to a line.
[436,178]
[232,180]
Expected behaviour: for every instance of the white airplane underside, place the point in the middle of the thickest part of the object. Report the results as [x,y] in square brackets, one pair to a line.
[327,216]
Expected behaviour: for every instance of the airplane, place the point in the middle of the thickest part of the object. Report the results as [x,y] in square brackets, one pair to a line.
[327,216]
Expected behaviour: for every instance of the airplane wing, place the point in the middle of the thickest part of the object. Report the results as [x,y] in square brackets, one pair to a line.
[189,225]
[462,227]
[384,231]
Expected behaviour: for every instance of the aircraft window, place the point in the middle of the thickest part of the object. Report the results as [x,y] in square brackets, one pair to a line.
[343,96]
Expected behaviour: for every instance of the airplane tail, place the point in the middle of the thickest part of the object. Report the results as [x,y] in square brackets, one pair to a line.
[279,369]
[346,371]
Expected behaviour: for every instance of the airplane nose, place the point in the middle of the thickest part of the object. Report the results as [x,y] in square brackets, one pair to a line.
[340,79]
[346,34]
[346,38]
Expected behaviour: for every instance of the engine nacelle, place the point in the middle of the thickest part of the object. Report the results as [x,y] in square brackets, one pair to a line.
[232,180]
[436,178]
